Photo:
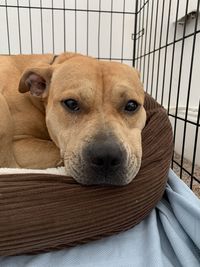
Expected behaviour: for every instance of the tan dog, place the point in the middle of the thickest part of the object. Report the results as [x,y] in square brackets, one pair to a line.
[73,108]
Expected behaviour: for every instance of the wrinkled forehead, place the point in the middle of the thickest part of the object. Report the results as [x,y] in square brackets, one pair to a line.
[77,69]
[122,80]
[85,72]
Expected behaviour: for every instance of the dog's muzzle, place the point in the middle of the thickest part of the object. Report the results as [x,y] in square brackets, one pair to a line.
[105,159]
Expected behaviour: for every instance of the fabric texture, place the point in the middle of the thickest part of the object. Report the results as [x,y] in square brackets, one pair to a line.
[169,236]
[41,212]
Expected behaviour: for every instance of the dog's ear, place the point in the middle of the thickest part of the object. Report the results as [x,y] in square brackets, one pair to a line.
[36,80]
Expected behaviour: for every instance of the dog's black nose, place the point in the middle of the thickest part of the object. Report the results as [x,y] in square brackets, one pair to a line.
[105,156]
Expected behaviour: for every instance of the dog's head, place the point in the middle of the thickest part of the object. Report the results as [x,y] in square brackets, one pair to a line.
[94,114]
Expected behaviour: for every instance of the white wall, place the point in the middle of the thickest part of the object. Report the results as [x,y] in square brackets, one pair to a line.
[156,69]
[93,31]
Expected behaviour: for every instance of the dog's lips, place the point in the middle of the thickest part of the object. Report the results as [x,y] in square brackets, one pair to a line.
[86,176]
[81,170]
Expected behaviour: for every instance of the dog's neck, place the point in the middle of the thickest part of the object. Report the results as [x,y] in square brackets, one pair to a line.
[38,103]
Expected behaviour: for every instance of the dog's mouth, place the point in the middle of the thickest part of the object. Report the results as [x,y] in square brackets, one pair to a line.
[104,160]
[85,174]
[117,179]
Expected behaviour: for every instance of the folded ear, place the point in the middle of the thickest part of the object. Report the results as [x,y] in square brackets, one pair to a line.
[36,80]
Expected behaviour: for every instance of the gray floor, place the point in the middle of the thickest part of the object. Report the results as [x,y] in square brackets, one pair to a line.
[185,177]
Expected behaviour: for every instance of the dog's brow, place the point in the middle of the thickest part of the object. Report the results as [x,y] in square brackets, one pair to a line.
[126,92]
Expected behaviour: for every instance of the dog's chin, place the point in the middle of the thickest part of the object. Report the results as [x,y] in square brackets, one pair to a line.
[102,181]
[90,178]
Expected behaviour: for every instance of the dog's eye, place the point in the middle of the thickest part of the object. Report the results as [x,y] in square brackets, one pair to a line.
[71,104]
[131,106]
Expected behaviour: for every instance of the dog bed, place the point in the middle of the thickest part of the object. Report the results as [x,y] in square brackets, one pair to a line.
[43,211]
[169,236]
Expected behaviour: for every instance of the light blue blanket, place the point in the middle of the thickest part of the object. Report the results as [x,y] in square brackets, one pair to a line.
[169,236]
